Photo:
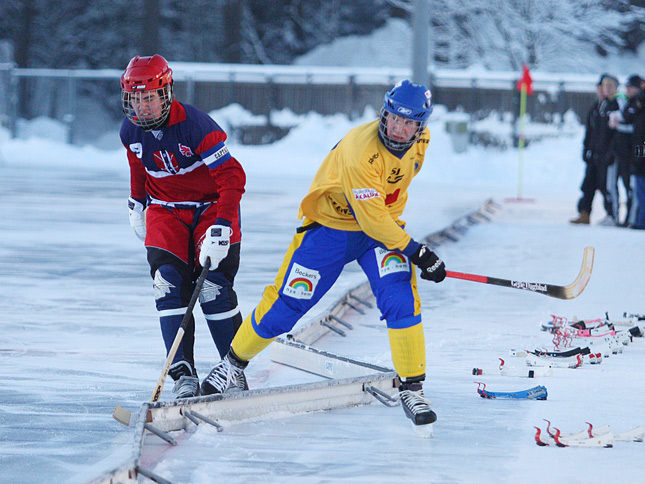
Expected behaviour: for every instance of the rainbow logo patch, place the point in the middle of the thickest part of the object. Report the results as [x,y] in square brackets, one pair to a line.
[393,258]
[301,282]
[389,261]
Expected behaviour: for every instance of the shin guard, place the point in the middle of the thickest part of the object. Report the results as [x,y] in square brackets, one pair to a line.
[408,350]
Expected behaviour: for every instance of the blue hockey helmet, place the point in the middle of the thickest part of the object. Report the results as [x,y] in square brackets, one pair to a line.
[406,100]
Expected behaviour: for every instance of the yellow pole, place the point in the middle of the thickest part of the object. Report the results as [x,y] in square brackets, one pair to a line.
[521,140]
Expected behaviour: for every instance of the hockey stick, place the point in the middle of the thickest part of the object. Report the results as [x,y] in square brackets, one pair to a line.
[121,414]
[561,292]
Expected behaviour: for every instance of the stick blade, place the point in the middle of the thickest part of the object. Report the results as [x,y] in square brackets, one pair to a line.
[122,415]
[574,289]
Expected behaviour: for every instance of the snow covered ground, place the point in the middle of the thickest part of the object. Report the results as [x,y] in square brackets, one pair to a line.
[79,333]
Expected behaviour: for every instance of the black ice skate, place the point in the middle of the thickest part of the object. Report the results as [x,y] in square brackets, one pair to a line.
[186,380]
[227,376]
[415,405]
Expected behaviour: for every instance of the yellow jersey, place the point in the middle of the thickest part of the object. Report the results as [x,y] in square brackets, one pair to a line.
[361,186]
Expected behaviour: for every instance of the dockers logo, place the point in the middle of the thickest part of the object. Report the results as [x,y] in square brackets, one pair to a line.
[390,261]
[166,161]
[301,282]
[362,194]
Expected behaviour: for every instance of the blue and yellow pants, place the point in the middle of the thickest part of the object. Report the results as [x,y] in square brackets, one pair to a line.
[312,264]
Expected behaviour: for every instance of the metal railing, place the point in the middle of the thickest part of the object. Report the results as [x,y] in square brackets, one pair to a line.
[67,94]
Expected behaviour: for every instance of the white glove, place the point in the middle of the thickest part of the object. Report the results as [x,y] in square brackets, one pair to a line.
[137,218]
[215,246]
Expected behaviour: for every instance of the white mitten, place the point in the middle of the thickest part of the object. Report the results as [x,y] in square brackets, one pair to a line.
[215,245]
[137,217]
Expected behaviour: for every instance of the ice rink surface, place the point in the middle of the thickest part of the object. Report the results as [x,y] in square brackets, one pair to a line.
[79,333]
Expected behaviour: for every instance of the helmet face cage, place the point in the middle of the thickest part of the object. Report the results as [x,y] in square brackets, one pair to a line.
[411,102]
[146,91]
[140,98]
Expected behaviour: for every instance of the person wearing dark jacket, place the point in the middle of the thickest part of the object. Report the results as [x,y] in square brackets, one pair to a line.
[621,121]
[596,151]
[637,118]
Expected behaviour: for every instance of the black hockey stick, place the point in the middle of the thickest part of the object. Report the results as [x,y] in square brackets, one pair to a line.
[121,414]
[561,292]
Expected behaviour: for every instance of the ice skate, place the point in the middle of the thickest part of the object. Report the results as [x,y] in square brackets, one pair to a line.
[417,408]
[227,376]
[186,380]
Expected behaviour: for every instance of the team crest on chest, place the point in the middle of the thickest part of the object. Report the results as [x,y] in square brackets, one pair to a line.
[166,161]
[395,176]
[185,150]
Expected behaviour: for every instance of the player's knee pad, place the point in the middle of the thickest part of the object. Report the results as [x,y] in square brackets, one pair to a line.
[167,284]
[217,297]
[172,280]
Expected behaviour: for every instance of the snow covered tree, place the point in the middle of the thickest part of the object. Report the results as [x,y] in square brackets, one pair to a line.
[500,34]
[280,31]
[548,34]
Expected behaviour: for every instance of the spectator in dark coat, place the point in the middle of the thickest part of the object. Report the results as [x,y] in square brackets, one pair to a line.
[621,121]
[638,158]
[596,151]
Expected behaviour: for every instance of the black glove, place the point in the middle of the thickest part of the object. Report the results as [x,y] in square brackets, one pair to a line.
[432,268]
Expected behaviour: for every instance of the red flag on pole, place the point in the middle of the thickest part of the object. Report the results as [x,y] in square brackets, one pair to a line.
[525,79]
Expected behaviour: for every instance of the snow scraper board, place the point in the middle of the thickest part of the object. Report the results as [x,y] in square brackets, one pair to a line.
[561,292]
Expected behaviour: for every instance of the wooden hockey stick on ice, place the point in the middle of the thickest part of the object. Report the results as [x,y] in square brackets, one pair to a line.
[121,414]
[561,292]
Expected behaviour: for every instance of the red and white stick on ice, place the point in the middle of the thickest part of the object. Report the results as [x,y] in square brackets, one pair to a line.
[561,292]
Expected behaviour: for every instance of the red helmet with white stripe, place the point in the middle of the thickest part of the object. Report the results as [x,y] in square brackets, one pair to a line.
[146,91]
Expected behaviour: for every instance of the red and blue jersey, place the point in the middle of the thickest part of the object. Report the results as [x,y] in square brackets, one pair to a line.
[184,162]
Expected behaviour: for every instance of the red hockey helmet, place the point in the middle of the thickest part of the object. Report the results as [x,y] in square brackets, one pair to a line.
[146,91]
